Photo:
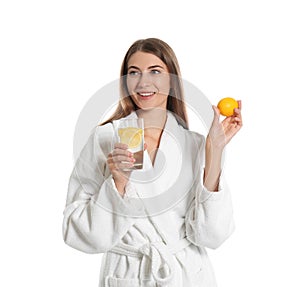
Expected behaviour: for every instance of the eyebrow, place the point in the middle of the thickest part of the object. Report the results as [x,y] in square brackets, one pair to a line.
[151,67]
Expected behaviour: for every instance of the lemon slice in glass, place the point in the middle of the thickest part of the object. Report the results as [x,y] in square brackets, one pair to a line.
[131,136]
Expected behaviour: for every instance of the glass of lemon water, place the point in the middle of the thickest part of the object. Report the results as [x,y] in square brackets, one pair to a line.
[131,132]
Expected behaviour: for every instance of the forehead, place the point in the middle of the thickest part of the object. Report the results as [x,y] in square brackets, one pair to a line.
[144,60]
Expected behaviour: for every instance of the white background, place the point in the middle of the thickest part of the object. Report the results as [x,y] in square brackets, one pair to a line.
[56,54]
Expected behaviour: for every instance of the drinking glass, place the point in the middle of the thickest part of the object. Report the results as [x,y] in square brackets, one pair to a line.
[131,132]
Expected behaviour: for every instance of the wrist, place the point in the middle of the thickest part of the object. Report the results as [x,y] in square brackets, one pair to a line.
[212,145]
[120,185]
[213,150]
[212,170]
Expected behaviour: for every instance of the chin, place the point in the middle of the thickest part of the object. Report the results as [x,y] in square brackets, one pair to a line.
[150,106]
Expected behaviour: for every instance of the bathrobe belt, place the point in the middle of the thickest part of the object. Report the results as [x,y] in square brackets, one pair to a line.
[154,256]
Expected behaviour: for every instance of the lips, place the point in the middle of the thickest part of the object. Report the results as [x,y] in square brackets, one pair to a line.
[146,94]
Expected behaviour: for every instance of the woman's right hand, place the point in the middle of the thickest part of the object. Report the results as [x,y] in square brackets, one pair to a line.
[118,160]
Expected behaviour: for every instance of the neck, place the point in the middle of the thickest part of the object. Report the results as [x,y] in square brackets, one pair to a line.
[153,118]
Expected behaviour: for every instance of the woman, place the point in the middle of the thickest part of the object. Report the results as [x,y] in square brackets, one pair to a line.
[107,211]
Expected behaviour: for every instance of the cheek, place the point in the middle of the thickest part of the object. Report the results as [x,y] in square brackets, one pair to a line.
[131,84]
[135,100]
[163,85]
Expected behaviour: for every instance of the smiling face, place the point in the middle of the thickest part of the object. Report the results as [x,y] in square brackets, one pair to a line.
[148,81]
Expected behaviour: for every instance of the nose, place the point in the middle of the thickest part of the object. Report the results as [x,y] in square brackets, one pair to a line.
[144,80]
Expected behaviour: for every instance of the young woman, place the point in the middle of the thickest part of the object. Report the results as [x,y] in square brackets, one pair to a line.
[149,235]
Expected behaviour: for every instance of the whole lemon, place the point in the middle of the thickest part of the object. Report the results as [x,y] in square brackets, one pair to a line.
[227,106]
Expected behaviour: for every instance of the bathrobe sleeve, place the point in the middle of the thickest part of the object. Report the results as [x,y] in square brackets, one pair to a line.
[209,219]
[96,215]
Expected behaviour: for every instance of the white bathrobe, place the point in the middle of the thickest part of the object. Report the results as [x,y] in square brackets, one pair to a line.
[157,233]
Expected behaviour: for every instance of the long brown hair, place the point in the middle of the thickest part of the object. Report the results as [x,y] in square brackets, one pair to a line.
[175,102]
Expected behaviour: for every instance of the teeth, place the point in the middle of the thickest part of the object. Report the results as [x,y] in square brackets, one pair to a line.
[146,94]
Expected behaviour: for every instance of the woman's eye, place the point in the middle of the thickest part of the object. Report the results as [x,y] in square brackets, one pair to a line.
[155,72]
[133,73]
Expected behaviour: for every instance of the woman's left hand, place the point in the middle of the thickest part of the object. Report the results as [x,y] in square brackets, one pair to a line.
[221,133]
